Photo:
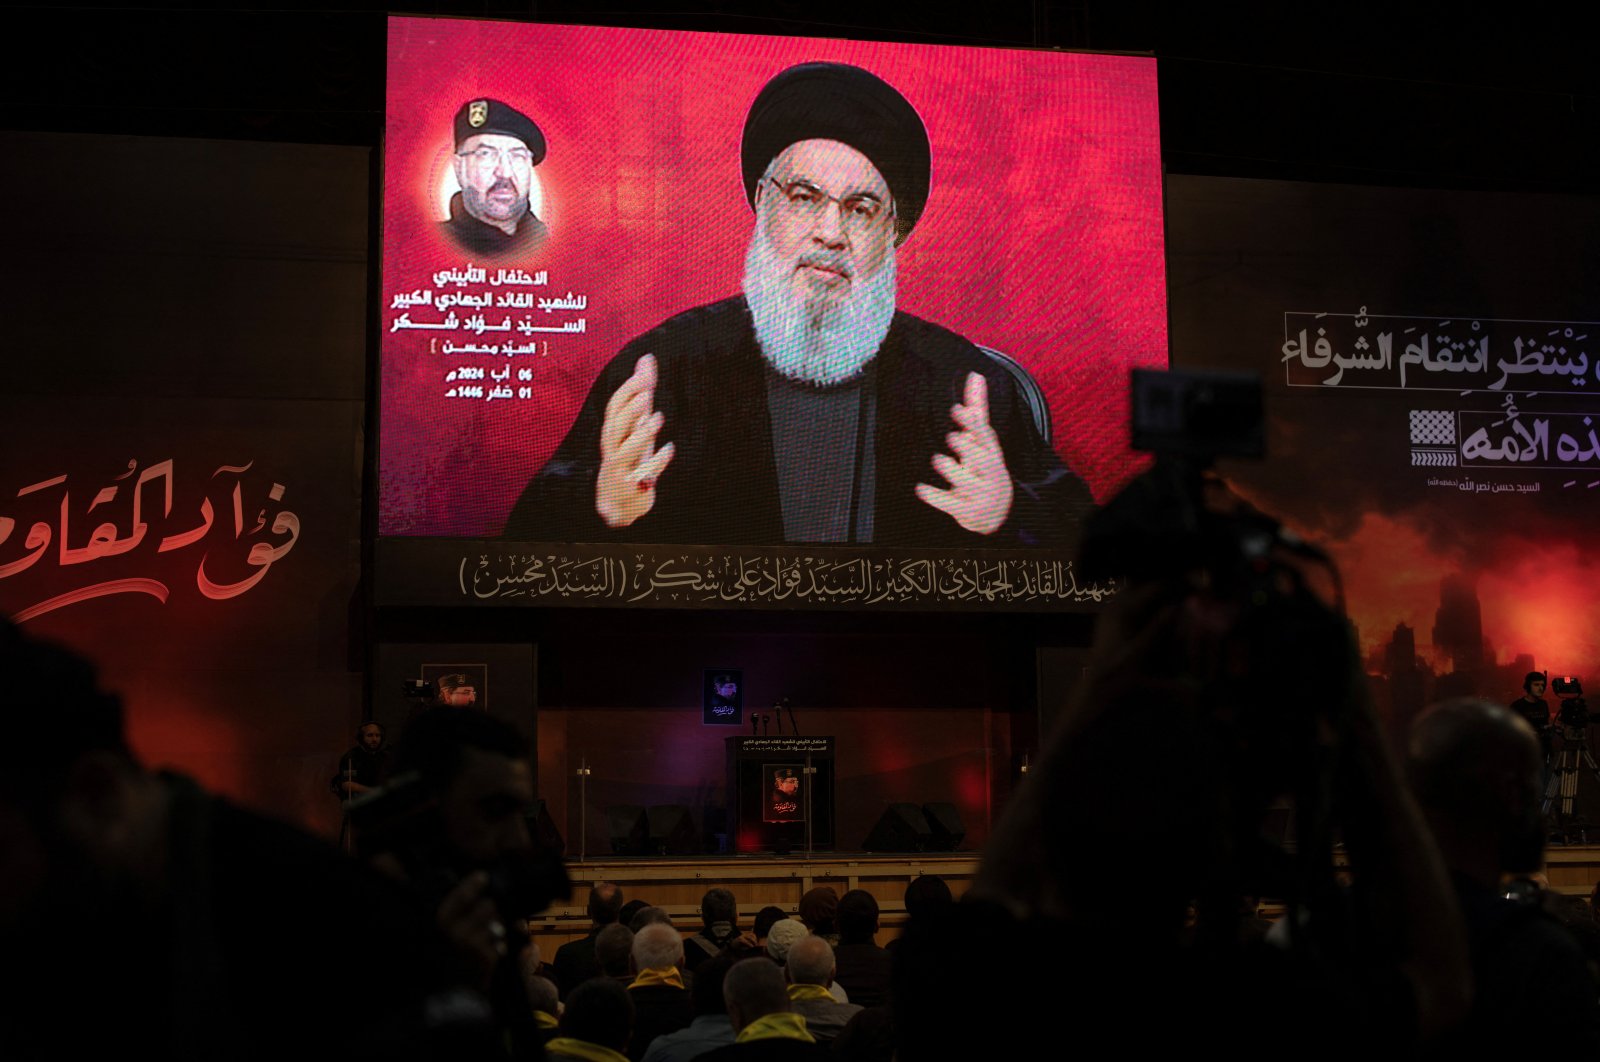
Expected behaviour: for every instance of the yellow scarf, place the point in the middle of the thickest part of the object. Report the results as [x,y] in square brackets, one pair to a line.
[784,1025]
[799,993]
[658,975]
[544,1020]
[566,1045]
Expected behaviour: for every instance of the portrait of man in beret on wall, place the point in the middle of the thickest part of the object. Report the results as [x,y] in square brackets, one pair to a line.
[810,408]
[496,149]
[457,688]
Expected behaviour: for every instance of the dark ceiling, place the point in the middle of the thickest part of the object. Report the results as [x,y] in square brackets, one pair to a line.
[1493,97]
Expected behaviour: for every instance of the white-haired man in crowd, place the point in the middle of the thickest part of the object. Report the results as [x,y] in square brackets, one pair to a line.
[810,970]
[661,1004]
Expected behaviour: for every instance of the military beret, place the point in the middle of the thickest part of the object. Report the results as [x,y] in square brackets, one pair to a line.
[834,101]
[450,682]
[492,116]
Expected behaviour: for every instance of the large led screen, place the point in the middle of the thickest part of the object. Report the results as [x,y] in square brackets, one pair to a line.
[651,287]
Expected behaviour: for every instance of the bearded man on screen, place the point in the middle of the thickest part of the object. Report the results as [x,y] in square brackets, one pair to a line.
[810,409]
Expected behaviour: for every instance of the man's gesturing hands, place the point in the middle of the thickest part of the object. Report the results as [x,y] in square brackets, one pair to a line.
[630,464]
[979,498]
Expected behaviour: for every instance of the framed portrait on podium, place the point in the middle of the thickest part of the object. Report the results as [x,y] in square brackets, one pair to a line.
[784,799]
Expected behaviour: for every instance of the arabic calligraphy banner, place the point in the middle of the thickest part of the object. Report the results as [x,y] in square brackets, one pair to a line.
[180,473]
[1433,395]
[1450,355]
[455,572]
[1041,239]
[239,554]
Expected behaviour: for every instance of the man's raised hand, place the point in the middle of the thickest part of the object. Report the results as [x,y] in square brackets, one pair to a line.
[980,492]
[630,464]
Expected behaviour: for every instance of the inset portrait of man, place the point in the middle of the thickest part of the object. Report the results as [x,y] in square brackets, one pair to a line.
[810,408]
[496,149]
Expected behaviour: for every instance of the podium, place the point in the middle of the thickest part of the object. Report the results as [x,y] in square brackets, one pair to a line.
[777,787]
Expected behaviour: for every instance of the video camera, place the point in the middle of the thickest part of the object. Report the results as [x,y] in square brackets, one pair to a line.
[1574,710]
[1161,529]
[1159,526]
[1272,658]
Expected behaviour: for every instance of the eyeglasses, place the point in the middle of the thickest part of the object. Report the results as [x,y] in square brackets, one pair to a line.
[491,156]
[859,213]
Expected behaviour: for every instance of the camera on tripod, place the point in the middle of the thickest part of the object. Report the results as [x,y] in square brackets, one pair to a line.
[1269,629]
[1573,715]
[1574,710]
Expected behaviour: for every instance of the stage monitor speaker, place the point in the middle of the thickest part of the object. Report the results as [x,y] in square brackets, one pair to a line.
[672,830]
[901,828]
[629,829]
[542,829]
[944,826]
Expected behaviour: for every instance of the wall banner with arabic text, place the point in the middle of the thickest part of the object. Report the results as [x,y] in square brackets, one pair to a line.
[180,469]
[1432,371]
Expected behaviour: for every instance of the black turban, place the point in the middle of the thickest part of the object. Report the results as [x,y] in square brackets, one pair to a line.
[833,101]
[492,116]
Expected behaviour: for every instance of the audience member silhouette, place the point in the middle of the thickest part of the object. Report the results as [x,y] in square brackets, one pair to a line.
[863,967]
[810,970]
[1475,769]
[819,908]
[661,1003]
[595,1024]
[1193,673]
[711,1027]
[719,917]
[765,1024]
[926,894]
[613,950]
[575,960]
[238,936]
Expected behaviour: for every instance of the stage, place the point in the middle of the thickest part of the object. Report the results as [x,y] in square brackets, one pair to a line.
[676,883]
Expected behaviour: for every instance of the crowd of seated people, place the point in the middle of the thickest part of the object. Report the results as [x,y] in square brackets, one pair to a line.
[239,937]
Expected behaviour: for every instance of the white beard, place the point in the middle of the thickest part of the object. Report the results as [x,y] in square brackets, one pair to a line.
[825,342]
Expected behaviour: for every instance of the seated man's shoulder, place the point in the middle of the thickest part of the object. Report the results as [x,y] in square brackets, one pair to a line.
[830,1009]
[799,1050]
[926,339]
[714,324]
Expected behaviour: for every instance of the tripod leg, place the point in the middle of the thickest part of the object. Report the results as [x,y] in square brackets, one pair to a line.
[1588,761]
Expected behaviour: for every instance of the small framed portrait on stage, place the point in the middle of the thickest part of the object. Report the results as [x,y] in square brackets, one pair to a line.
[459,685]
[784,799]
[722,696]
